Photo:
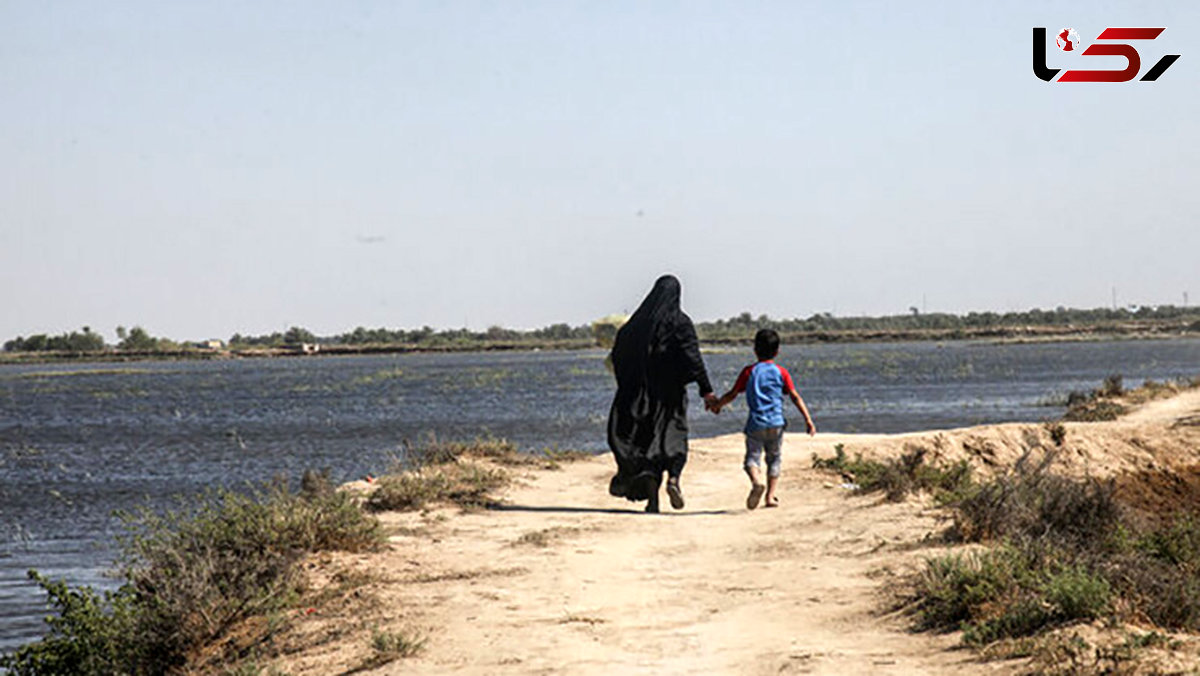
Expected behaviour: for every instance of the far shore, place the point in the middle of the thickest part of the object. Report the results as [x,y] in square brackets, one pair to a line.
[1005,334]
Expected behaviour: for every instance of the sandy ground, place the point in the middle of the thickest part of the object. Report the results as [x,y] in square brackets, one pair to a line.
[564,579]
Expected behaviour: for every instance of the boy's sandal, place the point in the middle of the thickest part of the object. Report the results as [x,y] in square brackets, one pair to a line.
[773,502]
[755,495]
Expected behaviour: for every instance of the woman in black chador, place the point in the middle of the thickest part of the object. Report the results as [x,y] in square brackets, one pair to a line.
[655,356]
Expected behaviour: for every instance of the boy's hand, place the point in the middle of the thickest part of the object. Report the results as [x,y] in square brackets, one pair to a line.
[812,427]
[712,403]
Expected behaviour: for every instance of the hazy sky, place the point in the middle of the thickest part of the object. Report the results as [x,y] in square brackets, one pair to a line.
[211,167]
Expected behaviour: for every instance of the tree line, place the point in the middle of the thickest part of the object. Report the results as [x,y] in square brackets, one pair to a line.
[915,321]
[737,328]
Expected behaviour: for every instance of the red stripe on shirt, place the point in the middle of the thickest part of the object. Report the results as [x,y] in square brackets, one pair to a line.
[742,379]
[787,379]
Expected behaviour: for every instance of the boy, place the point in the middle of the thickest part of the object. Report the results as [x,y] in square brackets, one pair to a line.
[765,384]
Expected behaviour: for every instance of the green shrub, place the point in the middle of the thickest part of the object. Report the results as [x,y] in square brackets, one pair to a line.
[898,477]
[1098,405]
[1095,411]
[1166,594]
[1074,593]
[1030,502]
[1066,553]
[951,590]
[1008,592]
[193,577]
[387,647]
[1178,543]
[89,634]
[1113,386]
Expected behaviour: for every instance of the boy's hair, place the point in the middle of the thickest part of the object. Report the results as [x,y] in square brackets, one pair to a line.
[766,344]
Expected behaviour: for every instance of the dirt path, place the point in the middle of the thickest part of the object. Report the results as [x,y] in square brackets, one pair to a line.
[563,579]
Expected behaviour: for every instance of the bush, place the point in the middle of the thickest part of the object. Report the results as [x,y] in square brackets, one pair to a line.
[952,589]
[89,634]
[1096,405]
[193,577]
[1008,592]
[1057,432]
[1168,595]
[466,484]
[1031,503]
[1113,386]
[1095,411]
[898,477]
[1066,552]
[1177,544]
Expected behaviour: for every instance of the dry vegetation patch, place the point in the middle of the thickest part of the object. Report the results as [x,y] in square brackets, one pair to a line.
[1063,551]
[466,474]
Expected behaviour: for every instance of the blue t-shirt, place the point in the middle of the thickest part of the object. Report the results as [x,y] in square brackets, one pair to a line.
[764,384]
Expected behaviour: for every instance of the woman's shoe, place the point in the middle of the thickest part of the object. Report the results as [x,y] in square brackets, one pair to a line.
[652,506]
[675,493]
[617,487]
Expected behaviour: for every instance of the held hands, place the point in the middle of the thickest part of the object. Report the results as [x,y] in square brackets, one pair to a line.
[712,403]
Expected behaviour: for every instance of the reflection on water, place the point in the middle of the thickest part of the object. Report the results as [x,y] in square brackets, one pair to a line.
[79,441]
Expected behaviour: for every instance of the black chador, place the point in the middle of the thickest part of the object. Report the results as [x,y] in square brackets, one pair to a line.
[655,356]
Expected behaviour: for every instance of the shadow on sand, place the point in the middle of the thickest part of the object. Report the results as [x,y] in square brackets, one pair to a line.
[598,510]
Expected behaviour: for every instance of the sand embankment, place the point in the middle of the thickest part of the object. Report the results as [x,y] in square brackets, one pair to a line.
[563,579]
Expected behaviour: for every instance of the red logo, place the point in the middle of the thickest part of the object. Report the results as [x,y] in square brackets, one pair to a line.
[1068,40]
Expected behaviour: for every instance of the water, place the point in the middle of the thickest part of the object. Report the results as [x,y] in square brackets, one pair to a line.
[78,441]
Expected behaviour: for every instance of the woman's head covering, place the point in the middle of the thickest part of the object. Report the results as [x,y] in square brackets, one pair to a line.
[647,331]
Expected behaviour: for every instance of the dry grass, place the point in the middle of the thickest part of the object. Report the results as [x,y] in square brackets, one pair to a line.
[466,474]
[466,484]
[544,537]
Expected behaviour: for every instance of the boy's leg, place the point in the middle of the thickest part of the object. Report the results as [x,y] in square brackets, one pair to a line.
[773,448]
[754,448]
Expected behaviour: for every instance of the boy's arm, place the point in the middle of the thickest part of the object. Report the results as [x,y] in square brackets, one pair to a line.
[738,387]
[808,421]
[724,400]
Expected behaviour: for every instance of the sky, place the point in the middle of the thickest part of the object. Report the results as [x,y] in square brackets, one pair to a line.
[201,169]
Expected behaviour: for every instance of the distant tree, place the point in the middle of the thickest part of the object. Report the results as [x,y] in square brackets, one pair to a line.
[298,336]
[555,332]
[356,337]
[77,341]
[137,340]
[501,333]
